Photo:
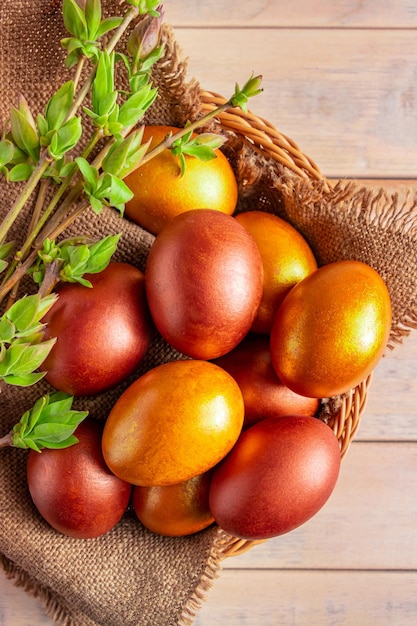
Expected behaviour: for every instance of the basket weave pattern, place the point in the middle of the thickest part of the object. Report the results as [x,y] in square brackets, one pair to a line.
[131,576]
[262,137]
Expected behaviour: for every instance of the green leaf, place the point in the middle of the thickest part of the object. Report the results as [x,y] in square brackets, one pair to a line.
[20,327]
[108,24]
[203,153]
[20,172]
[26,312]
[58,445]
[74,19]
[21,359]
[7,330]
[59,106]
[64,418]
[106,105]
[19,156]
[212,140]
[52,432]
[71,44]
[136,105]
[71,60]
[77,257]
[65,138]
[57,402]
[145,6]
[22,313]
[44,304]
[152,58]
[101,253]
[96,204]
[24,135]
[50,423]
[35,413]
[126,154]
[251,88]
[104,186]
[24,380]
[6,151]
[26,443]
[182,163]
[33,336]
[138,81]
[90,173]
[93,17]
[103,84]
[6,249]
[87,259]
[42,125]
[91,51]
[120,193]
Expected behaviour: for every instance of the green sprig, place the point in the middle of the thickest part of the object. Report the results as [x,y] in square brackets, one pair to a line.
[125,154]
[5,251]
[102,190]
[145,6]
[71,259]
[87,28]
[50,423]
[22,350]
[251,88]
[202,147]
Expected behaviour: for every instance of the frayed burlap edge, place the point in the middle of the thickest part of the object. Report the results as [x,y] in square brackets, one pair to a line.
[397,215]
[210,574]
[56,610]
[51,603]
[360,207]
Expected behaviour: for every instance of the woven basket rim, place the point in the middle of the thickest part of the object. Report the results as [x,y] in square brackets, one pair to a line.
[264,138]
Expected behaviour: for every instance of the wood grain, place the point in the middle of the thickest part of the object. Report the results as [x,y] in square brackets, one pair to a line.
[365,535]
[347,97]
[340,79]
[320,598]
[299,13]
[358,528]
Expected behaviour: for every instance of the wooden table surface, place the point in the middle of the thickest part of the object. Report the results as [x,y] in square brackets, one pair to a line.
[340,78]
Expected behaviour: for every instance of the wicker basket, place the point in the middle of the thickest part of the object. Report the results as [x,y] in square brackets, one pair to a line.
[265,139]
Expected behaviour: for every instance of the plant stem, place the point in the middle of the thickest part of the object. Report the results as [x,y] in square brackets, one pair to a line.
[53,224]
[51,279]
[78,70]
[169,139]
[6,441]
[51,231]
[59,194]
[44,184]
[130,15]
[24,197]
[35,217]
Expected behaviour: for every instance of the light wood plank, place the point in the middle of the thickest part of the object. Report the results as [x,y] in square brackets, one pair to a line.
[369,522]
[299,13]
[389,414]
[348,98]
[288,598]
[18,608]
[330,598]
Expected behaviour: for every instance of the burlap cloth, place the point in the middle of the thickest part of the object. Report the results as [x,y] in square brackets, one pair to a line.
[131,577]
